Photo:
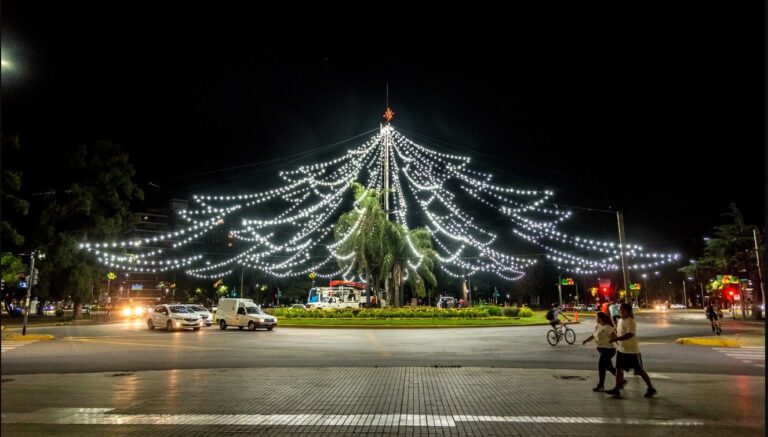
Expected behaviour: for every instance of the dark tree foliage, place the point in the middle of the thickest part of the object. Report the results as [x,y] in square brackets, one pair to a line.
[92,202]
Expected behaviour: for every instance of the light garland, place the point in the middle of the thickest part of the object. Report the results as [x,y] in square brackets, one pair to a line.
[423,183]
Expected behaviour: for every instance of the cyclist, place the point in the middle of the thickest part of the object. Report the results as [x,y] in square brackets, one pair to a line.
[714,318]
[553,315]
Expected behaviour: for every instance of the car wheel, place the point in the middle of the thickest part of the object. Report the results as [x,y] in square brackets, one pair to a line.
[251,326]
[222,324]
[169,326]
[150,325]
[270,328]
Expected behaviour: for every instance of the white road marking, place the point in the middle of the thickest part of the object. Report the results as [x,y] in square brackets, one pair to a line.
[10,345]
[99,416]
[754,355]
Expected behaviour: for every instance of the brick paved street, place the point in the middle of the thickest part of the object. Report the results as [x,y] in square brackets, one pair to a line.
[376,401]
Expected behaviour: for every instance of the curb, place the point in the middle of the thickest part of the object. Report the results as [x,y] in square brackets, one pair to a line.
[19,337]
[713,341]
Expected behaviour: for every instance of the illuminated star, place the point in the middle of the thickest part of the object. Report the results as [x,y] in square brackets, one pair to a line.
[388,115]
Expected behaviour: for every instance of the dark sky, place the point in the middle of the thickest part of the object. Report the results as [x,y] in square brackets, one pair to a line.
[657,111]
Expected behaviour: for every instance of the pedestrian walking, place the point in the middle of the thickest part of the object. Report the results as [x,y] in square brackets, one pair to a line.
[628,355]
[613,310]
[602,333]
[604,307]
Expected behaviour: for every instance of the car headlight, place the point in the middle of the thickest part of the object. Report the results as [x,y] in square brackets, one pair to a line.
[126,312]
[138,311]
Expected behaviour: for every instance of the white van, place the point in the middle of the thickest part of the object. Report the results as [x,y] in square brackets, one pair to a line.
[243,313]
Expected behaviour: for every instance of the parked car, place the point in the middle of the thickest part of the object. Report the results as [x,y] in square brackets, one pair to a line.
[299,306]
[677,306]
[202,312]
[174,317]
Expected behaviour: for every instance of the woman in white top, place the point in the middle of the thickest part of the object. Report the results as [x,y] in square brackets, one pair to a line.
[602,336]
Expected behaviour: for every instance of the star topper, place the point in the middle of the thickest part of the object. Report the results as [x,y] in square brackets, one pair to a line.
[388,115]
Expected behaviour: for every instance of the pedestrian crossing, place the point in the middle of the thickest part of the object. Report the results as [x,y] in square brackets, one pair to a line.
[13,344]
[749,355]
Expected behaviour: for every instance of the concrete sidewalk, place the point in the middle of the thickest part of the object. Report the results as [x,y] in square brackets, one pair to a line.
[380,401]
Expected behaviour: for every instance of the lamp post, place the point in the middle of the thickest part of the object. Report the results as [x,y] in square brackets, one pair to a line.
[645,284]
[30,283]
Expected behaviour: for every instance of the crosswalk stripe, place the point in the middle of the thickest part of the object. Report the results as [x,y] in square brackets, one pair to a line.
[101,416]
[748,355]
[13,344]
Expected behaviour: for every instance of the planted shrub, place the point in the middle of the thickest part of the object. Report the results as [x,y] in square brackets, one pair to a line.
[494,311]
[59,312]
[511,311]
[525,312]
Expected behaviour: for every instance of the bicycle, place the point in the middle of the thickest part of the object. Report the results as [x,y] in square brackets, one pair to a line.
[555,335]
[715,321]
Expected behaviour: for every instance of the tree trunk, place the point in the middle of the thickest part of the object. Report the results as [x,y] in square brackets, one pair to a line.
[78,312]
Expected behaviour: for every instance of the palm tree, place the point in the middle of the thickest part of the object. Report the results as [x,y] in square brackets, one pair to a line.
[425,258]
[374,246]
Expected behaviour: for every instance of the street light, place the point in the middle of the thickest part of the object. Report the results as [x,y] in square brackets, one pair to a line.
[645,284]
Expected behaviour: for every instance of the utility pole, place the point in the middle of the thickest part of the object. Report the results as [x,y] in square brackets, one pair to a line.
[29,291]
[241,282]
[756,309]
[623,249]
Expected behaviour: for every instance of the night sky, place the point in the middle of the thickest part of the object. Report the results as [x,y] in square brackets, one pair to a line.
[658,112]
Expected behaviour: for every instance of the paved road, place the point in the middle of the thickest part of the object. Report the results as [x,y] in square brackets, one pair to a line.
[129,346]
[121,379]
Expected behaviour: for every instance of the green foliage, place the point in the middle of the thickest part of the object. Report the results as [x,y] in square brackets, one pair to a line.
[13,207]
[385,313]
[729,250]
[93,202]
[11,266]
[494,311]
[381,246]
[525,312]
[511,311]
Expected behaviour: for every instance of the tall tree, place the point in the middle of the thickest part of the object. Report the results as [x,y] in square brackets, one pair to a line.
[426,261]
[379,247]
[92,204]
[366,235]
[13,208]
[730,250]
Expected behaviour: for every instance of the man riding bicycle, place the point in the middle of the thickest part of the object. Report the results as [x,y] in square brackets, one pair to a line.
[553,315]
[713,314]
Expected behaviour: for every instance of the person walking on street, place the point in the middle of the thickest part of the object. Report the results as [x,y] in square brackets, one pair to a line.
[613,309]
[628,356]
[602,336]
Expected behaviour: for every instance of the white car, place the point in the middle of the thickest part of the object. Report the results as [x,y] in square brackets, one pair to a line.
[678,306]
[174,317]
[202,312]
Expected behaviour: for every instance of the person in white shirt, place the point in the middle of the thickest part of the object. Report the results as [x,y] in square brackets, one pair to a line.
[602,336]
[628,356]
